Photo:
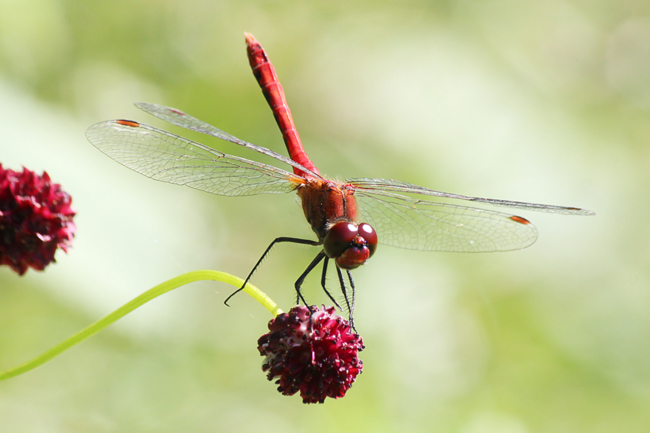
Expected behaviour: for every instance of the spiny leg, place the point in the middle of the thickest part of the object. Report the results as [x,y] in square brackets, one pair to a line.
[354,297]
[345,295]
[302,277]
[275,241]
[322,282]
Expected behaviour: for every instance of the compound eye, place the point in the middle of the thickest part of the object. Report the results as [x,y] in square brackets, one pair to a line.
[370,235]
[338,238]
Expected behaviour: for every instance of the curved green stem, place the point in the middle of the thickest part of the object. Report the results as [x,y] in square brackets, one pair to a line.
[125,309]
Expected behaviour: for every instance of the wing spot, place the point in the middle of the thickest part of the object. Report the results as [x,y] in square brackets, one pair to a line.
[519,220]
[130,123]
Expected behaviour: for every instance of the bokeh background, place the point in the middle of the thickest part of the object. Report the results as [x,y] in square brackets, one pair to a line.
[525,100]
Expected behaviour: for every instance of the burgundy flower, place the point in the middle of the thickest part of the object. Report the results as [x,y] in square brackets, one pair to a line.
[314,353]
[35,220]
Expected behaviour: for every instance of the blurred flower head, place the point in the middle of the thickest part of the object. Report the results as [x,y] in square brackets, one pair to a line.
[314,352]
[35,220]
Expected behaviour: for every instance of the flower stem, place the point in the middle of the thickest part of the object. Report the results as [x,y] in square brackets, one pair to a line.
[125,309]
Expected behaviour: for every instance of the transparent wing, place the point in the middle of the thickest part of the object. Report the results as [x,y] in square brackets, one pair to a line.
[387,185]
[414,224]
[184,120]
[166,157]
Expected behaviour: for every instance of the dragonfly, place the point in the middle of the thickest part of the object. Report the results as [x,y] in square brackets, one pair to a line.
[349,218]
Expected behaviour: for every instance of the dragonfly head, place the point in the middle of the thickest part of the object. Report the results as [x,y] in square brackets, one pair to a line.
[350,245]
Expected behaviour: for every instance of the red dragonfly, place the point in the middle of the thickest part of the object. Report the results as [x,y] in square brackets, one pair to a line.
[333,209]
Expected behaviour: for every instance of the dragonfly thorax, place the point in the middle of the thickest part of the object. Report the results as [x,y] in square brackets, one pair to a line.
[325,203]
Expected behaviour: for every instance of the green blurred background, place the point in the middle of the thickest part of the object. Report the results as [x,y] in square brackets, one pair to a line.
[524,100]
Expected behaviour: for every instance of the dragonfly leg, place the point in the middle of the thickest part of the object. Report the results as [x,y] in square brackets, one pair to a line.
[322,283]
[302,277]
[354,298]
[349,305]
[268,249]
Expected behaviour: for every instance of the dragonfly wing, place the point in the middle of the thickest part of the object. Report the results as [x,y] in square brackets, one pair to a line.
[397,186]
[166,157]
[184,120]
[429,226]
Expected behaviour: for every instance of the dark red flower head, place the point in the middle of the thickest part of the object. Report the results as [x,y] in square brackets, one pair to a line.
[314,353]
[35,220]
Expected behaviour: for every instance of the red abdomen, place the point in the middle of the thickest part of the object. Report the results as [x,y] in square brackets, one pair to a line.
[274,94]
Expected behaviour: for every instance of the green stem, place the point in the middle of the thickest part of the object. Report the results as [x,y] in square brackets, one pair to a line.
[125,309]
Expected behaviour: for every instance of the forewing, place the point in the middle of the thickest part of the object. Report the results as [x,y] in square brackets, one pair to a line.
[166,157]
[184,120]
[429,226]
[397,186]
